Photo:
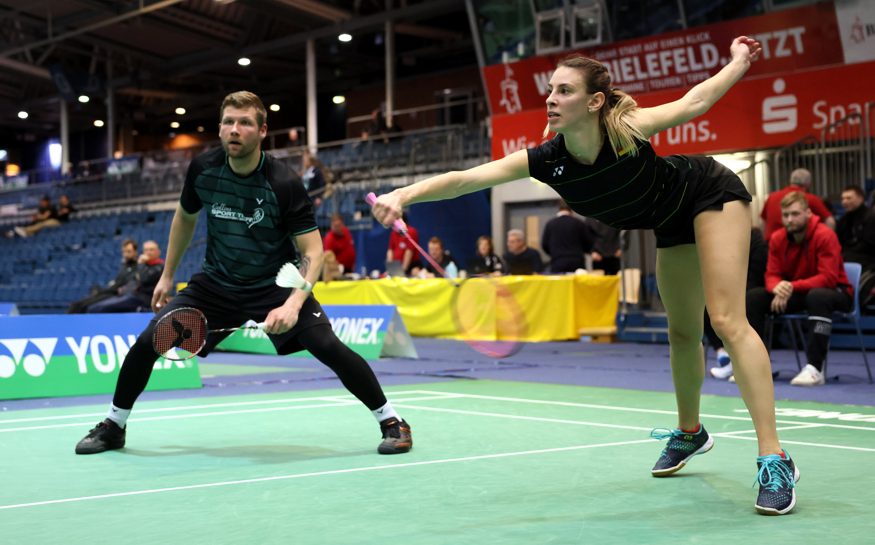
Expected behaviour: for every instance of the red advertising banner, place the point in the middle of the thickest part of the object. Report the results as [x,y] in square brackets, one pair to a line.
[792,39]
[760,112]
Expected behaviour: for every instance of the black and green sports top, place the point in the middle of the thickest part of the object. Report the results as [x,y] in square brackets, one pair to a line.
[251,220]
[643,191]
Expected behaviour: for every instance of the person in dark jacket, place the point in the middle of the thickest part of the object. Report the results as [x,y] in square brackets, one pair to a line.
[519,258]
[566,239]
[856,232]
[805,272]
[126,276]
[485,262]
[136,296]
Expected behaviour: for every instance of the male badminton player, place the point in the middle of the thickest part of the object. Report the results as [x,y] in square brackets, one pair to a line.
[256,207]
[603,165]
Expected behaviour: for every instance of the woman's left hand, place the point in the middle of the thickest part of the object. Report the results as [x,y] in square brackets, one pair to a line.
[745,48]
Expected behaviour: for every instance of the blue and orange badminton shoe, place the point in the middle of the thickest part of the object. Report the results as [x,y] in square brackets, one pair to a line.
[397,438]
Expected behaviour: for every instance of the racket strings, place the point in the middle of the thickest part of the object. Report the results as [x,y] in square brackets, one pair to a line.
[489,318]
[182,328]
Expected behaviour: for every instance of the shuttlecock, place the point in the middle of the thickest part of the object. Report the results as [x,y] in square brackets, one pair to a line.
[290,277]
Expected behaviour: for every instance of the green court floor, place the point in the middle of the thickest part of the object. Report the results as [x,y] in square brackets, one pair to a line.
[493,463]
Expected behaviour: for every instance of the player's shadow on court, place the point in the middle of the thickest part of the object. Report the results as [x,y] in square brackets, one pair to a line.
[264,454]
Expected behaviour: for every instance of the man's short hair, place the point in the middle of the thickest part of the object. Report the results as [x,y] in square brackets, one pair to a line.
[856,189]
[245,99]
[801,177]
[436,240]
[130,241]
[794,197]
[516,233]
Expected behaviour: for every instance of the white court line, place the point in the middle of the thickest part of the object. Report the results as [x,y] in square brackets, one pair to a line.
[321,473]
[332,403]
[521,417]
[782,428]
[584,423]
[650,411]
[338,398]
[802,443]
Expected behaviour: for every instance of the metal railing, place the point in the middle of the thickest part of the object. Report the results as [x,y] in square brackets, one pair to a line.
[161,174]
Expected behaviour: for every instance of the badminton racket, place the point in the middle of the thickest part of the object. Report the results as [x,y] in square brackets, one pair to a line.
[487,315]
[186,328]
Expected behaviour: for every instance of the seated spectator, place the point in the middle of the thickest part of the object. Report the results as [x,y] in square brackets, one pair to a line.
[606,246]
[376,127]
[137,297]
[856,232]
[399,249]
[485,262]
[519,258]
[800,180]
[126,275]
[443,258]
[313,176]
[46,216]
[804,272]
[339,240]
[566,239]
[65,208]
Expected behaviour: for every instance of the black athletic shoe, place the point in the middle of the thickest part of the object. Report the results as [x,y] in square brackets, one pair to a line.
[396,437]
[680,448]
[105,436]
[777,478]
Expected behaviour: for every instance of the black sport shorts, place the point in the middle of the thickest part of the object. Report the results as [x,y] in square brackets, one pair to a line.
[712,185]
[224,308]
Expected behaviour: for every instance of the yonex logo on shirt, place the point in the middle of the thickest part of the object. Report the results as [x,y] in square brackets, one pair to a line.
[557,171]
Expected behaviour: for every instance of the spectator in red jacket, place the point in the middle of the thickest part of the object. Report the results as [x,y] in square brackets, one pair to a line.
[800,180]
[400,250]
[339,240]
[805,272]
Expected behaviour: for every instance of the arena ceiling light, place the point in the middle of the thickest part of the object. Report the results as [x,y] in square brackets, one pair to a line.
[200,128]
[98,122]
[345,37]
[338,99]
[244,61]
[174,125]
[274,107]
[180,111]
[84,99]
[23,115]
[736,162]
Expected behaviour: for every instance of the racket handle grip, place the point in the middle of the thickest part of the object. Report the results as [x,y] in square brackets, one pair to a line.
[398,225]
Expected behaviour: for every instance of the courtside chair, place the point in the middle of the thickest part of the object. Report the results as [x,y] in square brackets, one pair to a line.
[795,320]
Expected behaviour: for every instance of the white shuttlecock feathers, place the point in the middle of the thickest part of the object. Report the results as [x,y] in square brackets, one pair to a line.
[290,277]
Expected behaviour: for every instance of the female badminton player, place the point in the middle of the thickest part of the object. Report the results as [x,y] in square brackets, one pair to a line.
[601,162]
[256,208]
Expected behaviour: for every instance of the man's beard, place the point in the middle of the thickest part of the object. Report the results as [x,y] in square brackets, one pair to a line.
[796,230]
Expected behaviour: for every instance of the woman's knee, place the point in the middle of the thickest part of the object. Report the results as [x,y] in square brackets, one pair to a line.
[729,326]
[685,334]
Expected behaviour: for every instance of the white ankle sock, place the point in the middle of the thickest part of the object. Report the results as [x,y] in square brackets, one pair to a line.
[119,416]
[384,412]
